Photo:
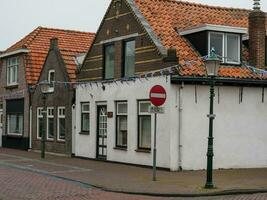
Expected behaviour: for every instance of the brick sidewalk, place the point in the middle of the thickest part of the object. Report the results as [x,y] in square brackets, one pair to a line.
[118,177]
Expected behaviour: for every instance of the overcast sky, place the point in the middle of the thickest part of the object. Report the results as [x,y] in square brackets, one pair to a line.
[20,17]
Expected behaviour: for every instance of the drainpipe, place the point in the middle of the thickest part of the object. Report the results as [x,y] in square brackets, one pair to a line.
[180,125]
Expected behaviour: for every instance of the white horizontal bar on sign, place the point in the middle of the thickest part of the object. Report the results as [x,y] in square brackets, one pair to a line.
[158,95]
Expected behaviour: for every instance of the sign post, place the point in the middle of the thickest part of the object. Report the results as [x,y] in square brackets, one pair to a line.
[157,97]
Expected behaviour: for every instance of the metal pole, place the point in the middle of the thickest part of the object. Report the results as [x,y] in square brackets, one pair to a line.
[209,182]
[44,128]
[155,149]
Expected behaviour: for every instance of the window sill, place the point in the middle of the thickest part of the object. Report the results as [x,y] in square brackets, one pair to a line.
[12,86]
[120,148]
[143,150]
[84,133]
[61,141]
[14,135]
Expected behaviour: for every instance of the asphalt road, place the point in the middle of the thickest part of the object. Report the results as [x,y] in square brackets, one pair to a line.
[20,184]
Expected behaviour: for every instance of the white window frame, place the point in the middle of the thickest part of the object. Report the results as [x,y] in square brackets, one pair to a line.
[49,116]
[52,84]
[10,67]
[85,112]
[8,116]
[224,47]
[138,127]
[61,116]
[118,114]
[39,115]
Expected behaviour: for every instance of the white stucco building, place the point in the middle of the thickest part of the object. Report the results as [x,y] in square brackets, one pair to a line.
[239,129]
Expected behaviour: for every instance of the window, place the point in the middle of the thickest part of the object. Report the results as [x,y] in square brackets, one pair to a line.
[109,61]
[40,123]
[51,79]
[121,124]
[50,123]
[226,45]
[15,124]
[85,116]
[129,59]
[61,124]
[144,125]
[12,71]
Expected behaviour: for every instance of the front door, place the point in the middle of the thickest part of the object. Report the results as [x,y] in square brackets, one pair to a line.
[1,126]
[101,132]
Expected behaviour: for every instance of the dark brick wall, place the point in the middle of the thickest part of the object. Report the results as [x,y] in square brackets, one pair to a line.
[62,97]
[257,34]
[118,22]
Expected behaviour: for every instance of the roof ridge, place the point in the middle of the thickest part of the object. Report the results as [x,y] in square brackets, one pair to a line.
[207,5]
[34,34]
[67,30]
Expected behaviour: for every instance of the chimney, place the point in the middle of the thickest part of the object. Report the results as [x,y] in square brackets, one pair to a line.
[257,34]
[53,43]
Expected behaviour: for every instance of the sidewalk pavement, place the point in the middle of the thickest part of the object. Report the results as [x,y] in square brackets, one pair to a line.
[137,180]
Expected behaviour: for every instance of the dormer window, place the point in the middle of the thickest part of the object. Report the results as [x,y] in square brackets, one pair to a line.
[51,79]
[12,71]
[227,45]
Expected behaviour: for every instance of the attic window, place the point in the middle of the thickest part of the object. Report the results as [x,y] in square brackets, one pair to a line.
[227,45]
[51,79]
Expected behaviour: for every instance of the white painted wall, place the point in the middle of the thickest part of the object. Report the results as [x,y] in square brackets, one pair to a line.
[1,126]
[240,129]
[133,91]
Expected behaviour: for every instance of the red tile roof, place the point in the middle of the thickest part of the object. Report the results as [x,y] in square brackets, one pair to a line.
[167,16]
[70,43]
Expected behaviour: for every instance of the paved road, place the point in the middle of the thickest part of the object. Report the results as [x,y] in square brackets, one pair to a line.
[19,184]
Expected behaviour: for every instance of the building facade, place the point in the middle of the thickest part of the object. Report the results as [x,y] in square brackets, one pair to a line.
[60,66]
[135,44]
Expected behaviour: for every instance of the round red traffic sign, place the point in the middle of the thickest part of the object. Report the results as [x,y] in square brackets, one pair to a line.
[157,95]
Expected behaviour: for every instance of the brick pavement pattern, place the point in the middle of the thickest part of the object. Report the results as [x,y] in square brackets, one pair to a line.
[39,174]
[24,185]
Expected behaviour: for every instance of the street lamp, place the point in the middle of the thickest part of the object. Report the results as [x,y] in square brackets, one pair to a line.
[212,67]
[45,89]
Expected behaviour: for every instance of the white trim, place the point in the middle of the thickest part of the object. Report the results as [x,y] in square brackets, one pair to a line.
[48,116]
[38,116]
[139,107]
[212,27]
[121,103]
[51,88]
[12,71]
[30,134]
[17,134]
[14,52]
[61,116]
[224,46]
[119,38]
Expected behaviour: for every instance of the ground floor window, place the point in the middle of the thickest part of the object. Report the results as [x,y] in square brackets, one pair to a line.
[40,123]
[121,124]
[61,125]
[85,117]
[15,123]
[144,125]
[50,123]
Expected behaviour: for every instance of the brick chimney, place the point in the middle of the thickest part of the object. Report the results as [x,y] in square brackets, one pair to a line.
[257,34]
[53,43]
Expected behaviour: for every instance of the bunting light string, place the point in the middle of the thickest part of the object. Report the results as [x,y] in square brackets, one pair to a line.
[98,83]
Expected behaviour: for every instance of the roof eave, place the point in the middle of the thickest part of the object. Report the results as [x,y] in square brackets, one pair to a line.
[18,51]
[213,27]
[177,79]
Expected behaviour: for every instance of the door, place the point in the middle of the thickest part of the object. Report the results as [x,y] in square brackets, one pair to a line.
[101,132]
[1,126]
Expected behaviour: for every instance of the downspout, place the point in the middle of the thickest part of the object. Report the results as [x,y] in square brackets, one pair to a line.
[180,125]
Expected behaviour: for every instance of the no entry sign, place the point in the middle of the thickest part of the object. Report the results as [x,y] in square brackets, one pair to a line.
[157,95]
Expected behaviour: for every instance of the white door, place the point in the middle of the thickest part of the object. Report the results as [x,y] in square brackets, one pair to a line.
[1,126]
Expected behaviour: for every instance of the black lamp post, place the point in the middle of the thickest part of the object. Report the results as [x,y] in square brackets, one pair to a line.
[45,89]
[212,67]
